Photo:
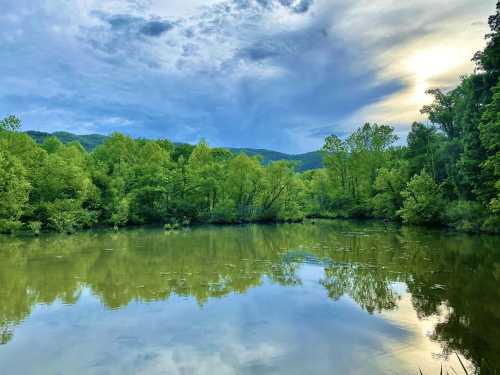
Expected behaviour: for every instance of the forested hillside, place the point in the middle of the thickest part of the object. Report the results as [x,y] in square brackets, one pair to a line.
[447,174]
[306,161]
[88,141]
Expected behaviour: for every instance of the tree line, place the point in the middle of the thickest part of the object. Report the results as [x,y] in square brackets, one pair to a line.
[447,174]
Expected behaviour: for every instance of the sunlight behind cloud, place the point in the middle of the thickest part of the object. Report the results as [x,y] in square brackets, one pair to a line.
[431,63]
[435,60]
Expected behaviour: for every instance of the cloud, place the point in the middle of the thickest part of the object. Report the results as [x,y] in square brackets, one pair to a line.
[255,73]
[155,28]
[136,25]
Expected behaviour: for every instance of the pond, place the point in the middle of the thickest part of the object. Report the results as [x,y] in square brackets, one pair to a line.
[324,297]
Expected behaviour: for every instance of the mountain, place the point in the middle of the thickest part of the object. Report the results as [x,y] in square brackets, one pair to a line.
[89,141]
[307,161]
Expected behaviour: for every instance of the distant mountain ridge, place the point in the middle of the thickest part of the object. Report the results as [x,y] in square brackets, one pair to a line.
[307,161]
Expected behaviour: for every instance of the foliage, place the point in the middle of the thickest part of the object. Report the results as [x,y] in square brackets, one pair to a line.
[14,191]
[35,227]
[306,161]
[389,184]
[423,202]
[465,215]
[63,187]
[10,123]
[352,165]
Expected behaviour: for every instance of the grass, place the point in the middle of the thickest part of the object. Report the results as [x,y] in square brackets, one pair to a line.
[447,372]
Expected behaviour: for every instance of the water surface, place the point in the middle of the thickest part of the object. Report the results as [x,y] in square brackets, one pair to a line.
[323,298]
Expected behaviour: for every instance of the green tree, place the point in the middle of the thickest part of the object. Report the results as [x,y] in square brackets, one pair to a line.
[389,184]
[278,183]
[149,190]
[14,192]
[490,168]
[63,192]
[353,164]
[242,186]
[442,111]
[488,60]
[423,202]
[52,145]
[10,123]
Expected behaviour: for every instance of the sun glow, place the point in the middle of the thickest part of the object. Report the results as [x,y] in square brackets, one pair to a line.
[427,65]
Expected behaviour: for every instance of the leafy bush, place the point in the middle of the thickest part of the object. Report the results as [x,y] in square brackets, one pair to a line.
[388,184]
[10,226]
[465,216]
[491,224]
[67,215]
[423,201]
[35,227]
[360,211]
[120,213]
[225,212]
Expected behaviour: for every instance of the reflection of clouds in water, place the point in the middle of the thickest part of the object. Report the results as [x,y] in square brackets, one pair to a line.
[189,360]
[418,348]
[260,323]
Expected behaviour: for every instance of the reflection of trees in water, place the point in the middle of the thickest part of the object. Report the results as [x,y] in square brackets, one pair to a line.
[362,261]
[365,285]
[5,334]
[465,278]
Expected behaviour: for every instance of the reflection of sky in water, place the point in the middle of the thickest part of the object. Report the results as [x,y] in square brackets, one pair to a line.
[269,329]
[333,297]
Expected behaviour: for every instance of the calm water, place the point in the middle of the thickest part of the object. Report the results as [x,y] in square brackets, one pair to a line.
[329,298]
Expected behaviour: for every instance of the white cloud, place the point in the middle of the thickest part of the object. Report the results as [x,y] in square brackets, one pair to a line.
[437,58]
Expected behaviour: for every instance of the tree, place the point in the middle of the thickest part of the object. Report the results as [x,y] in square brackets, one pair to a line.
[52,145]
[242,186]
[113,174]
[442,111]
[430,149]
[488,60]
[490,168]
[389,184]
[278,180]
[14,192]
[148,199]
[423,202]
[63,193]
[353,164]
[10,123]
[318,199]
[207,174]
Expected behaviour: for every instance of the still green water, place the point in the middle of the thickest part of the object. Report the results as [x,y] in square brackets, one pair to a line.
[324,298]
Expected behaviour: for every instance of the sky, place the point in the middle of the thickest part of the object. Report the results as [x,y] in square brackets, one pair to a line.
[276,74]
